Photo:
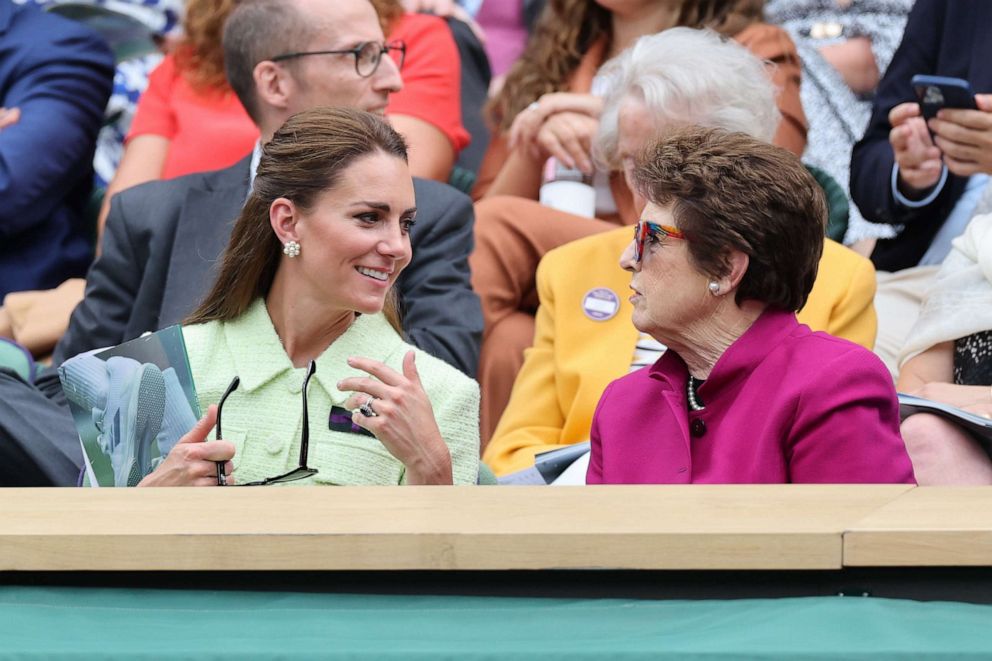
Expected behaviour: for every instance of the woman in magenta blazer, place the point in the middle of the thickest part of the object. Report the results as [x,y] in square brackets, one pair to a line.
[725,253]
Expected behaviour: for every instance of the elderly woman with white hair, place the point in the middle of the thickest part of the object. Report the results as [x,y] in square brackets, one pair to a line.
[584,337]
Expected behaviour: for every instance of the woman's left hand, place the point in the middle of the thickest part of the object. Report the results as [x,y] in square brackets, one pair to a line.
[404,419]
[528,123]
[568,137]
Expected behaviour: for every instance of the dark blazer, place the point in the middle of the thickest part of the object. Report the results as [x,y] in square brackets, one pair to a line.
[945,38]
[163,239]
[59,73]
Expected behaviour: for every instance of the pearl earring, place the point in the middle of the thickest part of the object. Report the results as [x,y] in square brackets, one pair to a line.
[714,287]
[291,249]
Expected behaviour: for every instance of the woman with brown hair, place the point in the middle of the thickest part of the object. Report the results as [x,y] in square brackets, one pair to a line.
[550,106]
[304,290]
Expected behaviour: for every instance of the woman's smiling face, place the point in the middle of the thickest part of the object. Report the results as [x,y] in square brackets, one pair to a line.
[355,239]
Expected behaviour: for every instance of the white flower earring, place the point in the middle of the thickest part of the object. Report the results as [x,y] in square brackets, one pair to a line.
[291,249]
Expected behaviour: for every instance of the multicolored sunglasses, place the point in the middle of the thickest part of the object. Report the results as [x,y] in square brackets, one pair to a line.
[645,228]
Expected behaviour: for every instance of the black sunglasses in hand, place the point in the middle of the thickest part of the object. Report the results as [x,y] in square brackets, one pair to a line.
[300,472]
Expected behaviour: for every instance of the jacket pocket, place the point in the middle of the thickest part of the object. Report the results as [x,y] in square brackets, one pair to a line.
[348,459]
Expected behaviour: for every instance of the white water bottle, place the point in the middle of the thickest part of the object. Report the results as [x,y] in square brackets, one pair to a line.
[567,189]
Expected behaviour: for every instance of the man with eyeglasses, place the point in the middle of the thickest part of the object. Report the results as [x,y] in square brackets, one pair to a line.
[163,238]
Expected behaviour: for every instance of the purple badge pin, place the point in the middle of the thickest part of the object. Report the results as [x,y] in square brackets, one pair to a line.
[600,304]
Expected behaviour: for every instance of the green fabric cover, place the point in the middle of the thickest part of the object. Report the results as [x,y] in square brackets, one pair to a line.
[163,624]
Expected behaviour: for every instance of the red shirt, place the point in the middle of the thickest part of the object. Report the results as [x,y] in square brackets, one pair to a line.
[431,77]
[207,130]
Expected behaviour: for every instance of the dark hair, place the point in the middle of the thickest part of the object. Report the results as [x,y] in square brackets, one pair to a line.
[305,158]
[258,30]
[729,191]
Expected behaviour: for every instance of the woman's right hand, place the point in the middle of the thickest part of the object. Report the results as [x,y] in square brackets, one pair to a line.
[193,460]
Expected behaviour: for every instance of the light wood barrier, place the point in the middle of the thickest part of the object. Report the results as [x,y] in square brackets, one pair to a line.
[403,528]
[926,527]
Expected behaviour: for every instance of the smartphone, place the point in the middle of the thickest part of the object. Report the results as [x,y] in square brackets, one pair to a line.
[936,92]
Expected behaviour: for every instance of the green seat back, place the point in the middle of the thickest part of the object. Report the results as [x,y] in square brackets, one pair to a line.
[838,208]
[15,357]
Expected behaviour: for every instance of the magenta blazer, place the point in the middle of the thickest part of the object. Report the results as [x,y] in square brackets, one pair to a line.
[782,404]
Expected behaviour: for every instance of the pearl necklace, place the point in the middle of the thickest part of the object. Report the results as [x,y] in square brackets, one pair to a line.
[690,390]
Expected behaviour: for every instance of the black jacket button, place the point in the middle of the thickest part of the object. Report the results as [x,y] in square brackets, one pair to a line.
[697,428]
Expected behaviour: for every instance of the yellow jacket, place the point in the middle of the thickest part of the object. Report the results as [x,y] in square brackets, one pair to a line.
[574,357]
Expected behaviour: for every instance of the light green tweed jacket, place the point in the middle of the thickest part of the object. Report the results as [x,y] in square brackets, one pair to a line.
[264,416]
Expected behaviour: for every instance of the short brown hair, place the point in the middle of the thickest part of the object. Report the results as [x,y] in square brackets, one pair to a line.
[305,157]
[258,30]
[729,191]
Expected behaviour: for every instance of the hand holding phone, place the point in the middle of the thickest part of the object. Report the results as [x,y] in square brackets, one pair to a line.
[938,92]
[959,121]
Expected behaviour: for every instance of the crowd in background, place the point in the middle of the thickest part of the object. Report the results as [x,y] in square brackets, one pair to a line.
[807,240]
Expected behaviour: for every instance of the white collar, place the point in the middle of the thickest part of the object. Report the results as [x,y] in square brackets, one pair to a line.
[256,156]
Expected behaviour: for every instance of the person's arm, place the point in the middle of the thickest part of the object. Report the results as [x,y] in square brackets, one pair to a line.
[876,186]
[534,418]
[60,87]
[507,172]
[143,160]
[930,375]
[427,111]
[440,312]
[431,153]
[846,428]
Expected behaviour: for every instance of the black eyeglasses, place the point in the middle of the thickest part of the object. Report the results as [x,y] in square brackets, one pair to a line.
[367,54]
[300,472]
